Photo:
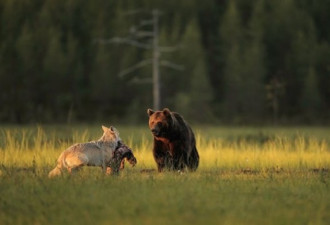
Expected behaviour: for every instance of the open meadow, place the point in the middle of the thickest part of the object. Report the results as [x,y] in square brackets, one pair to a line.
[247,175]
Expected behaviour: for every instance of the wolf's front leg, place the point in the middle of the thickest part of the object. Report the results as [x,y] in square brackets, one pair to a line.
[109,170]
[104,167]
[73,170]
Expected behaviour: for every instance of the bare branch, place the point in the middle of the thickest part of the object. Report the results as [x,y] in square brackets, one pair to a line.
[141,80]
[143,23]
[135,67]
[136,33]
[145,34]
[141,34]
[119,40]
[146,22]
[131,42]
[170,49]
[136,11]
[171,65]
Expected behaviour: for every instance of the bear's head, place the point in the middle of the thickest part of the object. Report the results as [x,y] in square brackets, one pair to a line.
[159,122]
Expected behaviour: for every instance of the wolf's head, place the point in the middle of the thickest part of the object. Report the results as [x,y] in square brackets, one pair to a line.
[110,135]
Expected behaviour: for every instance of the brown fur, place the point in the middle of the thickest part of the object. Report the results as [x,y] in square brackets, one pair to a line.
[121,154]
[174,141]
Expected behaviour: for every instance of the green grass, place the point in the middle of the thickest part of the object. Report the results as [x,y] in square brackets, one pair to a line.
[246,176]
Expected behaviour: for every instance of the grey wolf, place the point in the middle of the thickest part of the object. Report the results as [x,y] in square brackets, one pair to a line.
[105,152]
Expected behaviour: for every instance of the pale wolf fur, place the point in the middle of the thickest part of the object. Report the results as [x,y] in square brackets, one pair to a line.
[95,153]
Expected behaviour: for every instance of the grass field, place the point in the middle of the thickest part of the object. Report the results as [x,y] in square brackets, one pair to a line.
[247,175]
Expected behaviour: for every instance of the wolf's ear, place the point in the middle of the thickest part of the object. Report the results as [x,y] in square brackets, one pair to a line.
[150,112]
[166,112]
[112,129]
[104,128]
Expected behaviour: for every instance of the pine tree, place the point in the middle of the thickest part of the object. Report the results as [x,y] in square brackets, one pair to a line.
[254,66]
[231,36]
[56,76]
[196,93]
[311,101]
[201,95]
[304,59]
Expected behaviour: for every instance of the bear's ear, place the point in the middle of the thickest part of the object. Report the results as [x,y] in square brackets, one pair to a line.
[166,112]
[150,112]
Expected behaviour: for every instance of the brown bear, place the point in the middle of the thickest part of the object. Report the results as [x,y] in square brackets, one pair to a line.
[174,141]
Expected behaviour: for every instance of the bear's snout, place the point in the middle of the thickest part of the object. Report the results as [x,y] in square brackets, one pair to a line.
[155,131]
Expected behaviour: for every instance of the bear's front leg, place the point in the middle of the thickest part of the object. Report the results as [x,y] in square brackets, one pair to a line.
[179,162]
[159,159]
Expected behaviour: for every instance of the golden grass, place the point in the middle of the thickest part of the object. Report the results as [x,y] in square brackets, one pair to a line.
[246,176]
[280,153]
[36,147]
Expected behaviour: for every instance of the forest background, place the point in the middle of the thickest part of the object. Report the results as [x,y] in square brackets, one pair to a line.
[244,61]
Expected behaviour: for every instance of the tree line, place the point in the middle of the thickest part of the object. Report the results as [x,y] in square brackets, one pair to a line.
[244,61]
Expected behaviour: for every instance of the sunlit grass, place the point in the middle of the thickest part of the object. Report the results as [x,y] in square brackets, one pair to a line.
[279,153]
[246,176]
[40,147]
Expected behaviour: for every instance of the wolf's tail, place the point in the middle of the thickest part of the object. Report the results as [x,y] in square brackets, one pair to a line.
[58,169]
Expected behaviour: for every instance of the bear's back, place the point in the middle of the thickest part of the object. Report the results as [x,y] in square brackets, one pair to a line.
[181,125]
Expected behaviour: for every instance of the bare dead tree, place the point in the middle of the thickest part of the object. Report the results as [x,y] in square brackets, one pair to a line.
[275,89]
[137,32]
